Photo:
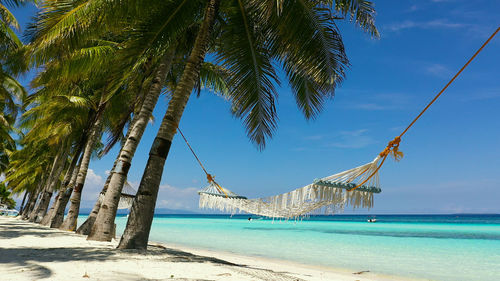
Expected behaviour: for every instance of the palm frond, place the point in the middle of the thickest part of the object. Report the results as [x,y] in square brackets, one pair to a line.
[244,54]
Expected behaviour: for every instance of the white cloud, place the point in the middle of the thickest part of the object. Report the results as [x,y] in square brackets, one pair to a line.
[439,23]
[439,70]
[344,139]
[178,198]
[93,186]
[378,102]
[413,8]
[314,137]
[370,106]
[168,197]
[486,95]
[352,139]
[454,196]
[94,178]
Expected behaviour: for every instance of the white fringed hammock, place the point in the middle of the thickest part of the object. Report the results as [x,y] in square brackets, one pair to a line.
[326,195]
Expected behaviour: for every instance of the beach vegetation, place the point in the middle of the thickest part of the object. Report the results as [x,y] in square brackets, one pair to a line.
[6,197]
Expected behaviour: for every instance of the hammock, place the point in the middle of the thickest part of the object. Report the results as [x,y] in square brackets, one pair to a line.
[354,187]
[326,195]
[126,197]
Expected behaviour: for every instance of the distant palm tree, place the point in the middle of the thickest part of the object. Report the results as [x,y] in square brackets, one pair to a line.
[6,197]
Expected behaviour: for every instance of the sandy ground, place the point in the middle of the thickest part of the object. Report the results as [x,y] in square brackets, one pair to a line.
[29,251]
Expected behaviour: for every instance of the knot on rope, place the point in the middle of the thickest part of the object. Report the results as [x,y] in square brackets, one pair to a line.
[392,148]
[210,178]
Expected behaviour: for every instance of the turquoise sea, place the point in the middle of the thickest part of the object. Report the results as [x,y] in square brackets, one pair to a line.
[435,247]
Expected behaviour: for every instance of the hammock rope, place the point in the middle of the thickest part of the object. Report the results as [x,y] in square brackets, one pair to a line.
[210,178]
[393,146]
[329,194]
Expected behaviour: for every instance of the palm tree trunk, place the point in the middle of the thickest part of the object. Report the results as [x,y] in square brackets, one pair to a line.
[62,200]
[86,226]
[102,229]
[46,218]
[22,203]
[31,203]
[59,163]
[26,207]
[74,209]
[54,186]
[42,197]
[43,204]
[57,216]
[136,233]
[44,201]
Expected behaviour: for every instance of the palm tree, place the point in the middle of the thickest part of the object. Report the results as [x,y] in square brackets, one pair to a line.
[76,63]
[10,89]
[164,26]
[249,41]
[46,46]
[6,197]
[162,142]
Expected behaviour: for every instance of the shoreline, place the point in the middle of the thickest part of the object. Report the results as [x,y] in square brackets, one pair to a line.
[273,263]
[29,251]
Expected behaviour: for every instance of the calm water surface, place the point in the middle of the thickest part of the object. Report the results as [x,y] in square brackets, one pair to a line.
[436,247]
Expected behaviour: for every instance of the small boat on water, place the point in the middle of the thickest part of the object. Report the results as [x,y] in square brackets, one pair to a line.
[372,219]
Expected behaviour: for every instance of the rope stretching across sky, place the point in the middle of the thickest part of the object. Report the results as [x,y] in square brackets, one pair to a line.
[393,146]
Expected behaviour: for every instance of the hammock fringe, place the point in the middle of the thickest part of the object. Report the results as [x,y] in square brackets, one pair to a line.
[327,195]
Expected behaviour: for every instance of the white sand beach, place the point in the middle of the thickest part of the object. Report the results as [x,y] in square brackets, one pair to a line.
[29,251]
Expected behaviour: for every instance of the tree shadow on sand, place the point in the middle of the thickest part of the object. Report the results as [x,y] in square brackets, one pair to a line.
[30,260]
[19,228]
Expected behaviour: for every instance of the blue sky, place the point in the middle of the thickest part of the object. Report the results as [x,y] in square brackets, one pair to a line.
[452,156]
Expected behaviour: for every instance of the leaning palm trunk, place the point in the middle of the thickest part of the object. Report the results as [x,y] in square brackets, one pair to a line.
[43,205]
[57,215]
[41,198]
[44,201]
[56,206]
[27,206]
[46,218]
[21,209]
[57,168]
[84,229]
[136,233]
[45,196]
[31,203]
[26,209]
[74,209]
[62,201]
[102,229]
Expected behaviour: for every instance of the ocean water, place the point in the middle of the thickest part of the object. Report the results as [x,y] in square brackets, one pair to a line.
[434,247]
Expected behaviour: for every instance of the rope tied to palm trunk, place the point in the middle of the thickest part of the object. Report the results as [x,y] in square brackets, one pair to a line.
[210,178]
